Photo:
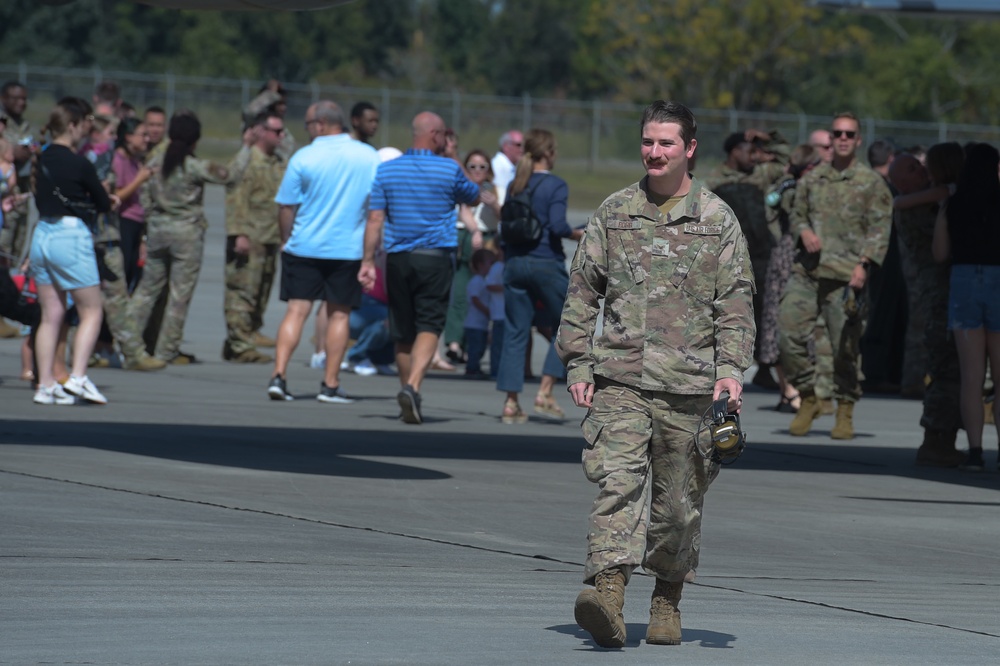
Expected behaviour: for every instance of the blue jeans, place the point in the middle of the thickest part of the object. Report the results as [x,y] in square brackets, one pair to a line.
[475,347]
[370,330]
[527,280]
[496,347]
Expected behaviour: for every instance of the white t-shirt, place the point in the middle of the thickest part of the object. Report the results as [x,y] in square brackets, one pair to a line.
[503,174]
[476,318]
[495,278]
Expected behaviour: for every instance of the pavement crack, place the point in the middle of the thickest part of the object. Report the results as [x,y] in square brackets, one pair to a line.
[856,611]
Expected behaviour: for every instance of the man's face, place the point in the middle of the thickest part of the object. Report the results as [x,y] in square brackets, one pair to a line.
[822,142]
[663,151]
[272,132]
[366,125]
[156,126]
[514,148]
[16,101]
[846,137]
[909,175]
[745,156]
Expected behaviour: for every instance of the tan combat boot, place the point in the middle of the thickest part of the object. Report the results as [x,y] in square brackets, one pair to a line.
[144,363]
[599,611]
[938,449]
[844,427]
[826,407]
[808,411]
[664,618]
[261,340]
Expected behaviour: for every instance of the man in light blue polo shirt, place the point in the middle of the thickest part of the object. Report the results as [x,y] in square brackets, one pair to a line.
[323,201]
[413,201]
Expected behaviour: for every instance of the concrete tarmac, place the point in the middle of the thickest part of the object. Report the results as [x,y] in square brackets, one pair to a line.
[194,521]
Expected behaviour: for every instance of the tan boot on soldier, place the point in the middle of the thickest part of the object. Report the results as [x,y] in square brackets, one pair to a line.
[844,427]
[664,618]
[807,413]
[599,611]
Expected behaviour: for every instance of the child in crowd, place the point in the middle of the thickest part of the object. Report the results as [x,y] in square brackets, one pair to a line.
[494,285]
[477,318]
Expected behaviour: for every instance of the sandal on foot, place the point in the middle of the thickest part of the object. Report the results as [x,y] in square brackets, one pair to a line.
[546,404]
[787,404]
[512,413]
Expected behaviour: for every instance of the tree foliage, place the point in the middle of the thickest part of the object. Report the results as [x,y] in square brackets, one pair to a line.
[768,55]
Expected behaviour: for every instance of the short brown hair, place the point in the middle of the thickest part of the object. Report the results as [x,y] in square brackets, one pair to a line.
[662,111]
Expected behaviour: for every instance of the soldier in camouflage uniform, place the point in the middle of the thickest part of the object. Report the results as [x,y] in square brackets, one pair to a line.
[271,99]
[842,218]
[742,181]
[252,244]
[916,209]
[114,287]
[176,223]
[669,260]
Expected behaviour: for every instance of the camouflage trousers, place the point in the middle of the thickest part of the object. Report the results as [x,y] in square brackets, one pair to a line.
[14,233]
[173,262]
[823,355]
[118,305]
[248,287]
[805,298]
[652,481]
[941,399]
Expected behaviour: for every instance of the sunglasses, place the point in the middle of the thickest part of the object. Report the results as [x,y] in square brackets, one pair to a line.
[279,132]
[823,146]
[850,134]
[484,167]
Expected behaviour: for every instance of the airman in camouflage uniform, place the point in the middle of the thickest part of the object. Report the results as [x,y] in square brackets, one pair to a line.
[114,288]
[176,224]
[252,244]
[271,99]
[842,217]
[928,300]
[669,260]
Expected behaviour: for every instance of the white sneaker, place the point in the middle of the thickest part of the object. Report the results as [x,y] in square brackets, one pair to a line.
[82,387]
[318,361]
[365,368]
[53,395]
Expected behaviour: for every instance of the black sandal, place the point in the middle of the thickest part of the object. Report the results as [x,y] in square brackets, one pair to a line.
[785,405]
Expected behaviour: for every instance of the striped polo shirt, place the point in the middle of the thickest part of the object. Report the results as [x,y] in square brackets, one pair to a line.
[418,192]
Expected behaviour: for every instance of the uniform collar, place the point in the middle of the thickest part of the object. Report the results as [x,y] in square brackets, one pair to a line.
[688,207]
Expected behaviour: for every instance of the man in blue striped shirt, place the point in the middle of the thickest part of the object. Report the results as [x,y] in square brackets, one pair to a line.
[413,206]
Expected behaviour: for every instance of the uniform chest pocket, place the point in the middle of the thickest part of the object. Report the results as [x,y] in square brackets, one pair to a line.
[625,250]
[688,267]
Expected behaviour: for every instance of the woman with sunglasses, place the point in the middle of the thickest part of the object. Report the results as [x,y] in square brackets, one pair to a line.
[476,228]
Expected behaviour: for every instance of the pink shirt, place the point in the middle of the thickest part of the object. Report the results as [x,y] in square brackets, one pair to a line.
[126,169]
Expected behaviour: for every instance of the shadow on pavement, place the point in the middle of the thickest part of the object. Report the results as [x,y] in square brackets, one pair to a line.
[332,452]
[636,636]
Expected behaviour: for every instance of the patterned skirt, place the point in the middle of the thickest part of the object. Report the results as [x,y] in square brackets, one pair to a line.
[779,269]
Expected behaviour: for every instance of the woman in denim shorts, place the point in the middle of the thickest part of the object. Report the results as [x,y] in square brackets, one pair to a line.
[968,233]
[62,258]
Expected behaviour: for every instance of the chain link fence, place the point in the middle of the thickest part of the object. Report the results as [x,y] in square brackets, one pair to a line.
[592,134]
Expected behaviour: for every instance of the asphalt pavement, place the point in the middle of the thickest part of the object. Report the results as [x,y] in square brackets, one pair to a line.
[194,521]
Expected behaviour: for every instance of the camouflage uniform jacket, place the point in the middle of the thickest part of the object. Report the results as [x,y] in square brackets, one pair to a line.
[19,133]
[765,175]
[179,198]
[850,211]
[677,292]
[254,213]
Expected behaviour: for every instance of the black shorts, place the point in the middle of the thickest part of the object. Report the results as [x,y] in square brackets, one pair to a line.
[331,280]
[419,288]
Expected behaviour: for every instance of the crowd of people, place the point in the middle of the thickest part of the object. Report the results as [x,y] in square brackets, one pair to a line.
[783,255]
[403,251]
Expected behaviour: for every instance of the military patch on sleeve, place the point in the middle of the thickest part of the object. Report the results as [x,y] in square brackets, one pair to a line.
[628,224]
[703,229]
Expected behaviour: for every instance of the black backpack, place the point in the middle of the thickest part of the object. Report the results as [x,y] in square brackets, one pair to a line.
[518,223]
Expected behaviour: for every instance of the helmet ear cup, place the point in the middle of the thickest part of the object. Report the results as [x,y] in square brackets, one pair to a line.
[726,437]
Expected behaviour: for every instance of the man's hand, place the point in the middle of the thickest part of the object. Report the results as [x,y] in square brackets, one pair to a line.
[583,394]
[810,241]
[242,246]
[735,393]
[366,276]
[858,278]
